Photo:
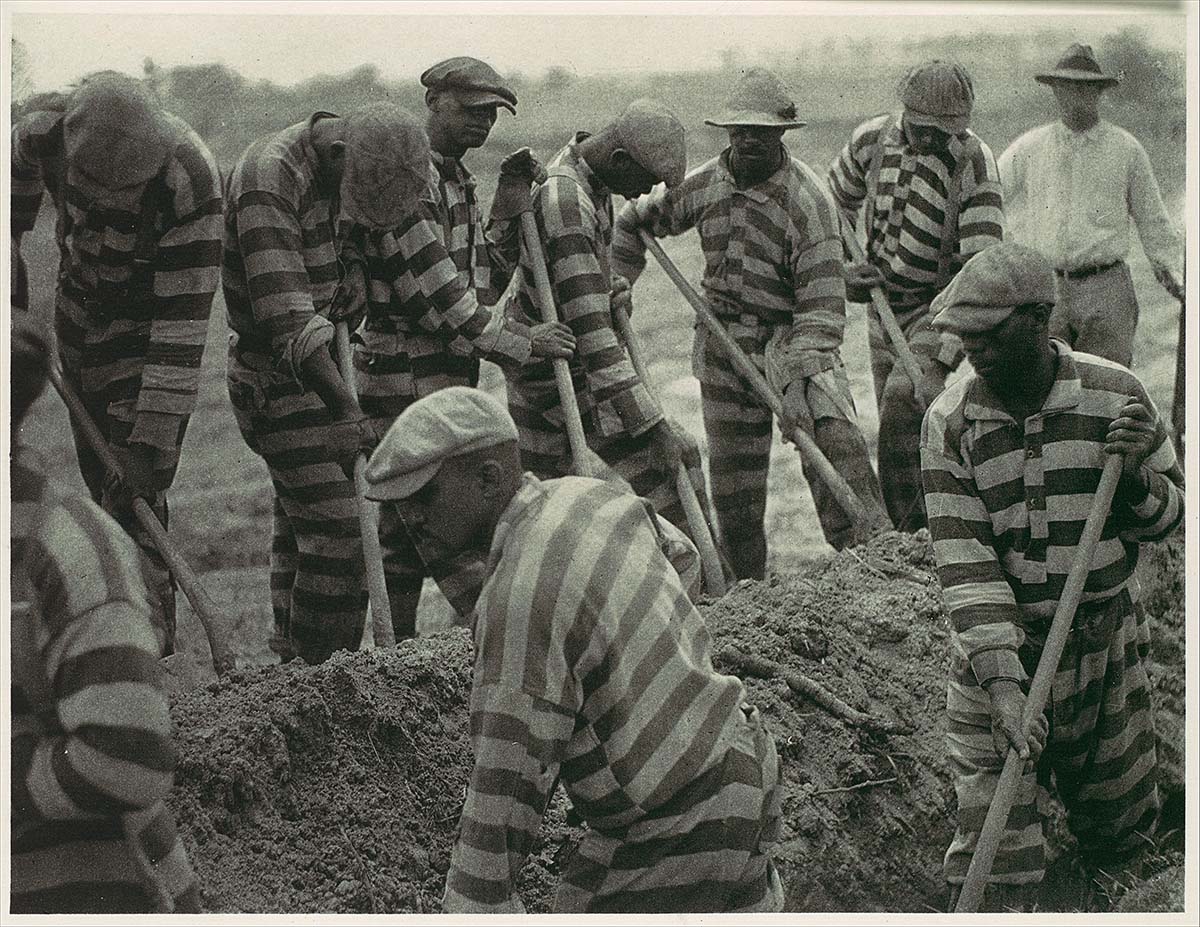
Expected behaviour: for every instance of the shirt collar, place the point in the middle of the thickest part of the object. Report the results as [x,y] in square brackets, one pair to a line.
[1065,393]
[1087,136]
[759,193]
[578,163]
[452,169]
[519,506]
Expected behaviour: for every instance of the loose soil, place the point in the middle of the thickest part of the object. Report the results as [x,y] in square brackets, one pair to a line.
[338,788]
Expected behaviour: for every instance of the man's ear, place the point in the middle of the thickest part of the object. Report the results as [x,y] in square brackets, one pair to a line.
[620,160]
[491,476]
[337,153]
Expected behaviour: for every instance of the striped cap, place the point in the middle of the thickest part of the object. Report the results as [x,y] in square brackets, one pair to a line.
[938,93]
[387,165]
[653,135]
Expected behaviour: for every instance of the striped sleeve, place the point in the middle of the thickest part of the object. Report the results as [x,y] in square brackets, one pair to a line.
[567,224]
[1159,512]
[848,173]
[816,265]
[983,610]
[186,274]
[417,247]
[100,657]
[502,248]
[667,212]
[981,220]
[31,139]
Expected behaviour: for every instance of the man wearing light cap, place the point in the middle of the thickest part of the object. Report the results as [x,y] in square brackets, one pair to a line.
[769,232]
[1010,457]
[435,280]
[298,207]
[139,219]
[931,198]
[593,668]
[622,421]
[1077,183]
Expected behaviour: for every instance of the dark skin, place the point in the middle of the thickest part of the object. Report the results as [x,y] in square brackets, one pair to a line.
[1017,362]
[755,153]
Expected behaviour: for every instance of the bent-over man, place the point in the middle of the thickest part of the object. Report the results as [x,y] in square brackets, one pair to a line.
[593,668]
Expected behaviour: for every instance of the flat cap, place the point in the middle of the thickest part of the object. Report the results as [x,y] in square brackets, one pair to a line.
[115,131]
[990,286]
[759,98]
[386,167]
[453,421]
[475,82]
[653,135]
[940,94]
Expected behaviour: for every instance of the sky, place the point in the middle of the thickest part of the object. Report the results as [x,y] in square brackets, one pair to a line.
[269,41]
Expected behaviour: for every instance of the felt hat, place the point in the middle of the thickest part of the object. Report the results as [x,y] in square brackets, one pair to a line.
[990,286]
[386,166]
[940,94]
[453,421]
[475,82]
[759,98]
[1078,64]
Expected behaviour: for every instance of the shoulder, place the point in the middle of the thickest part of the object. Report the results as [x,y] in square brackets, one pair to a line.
[699,177]
[564,203]
[1028,141]
[192,172]
[869,133]
[945,422]
[270,165]
[1099,373]
[809,200]
[40,132]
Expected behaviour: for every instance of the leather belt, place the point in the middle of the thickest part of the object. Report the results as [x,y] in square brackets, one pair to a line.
[1082,273]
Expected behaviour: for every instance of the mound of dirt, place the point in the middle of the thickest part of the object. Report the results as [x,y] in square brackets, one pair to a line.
[339,787]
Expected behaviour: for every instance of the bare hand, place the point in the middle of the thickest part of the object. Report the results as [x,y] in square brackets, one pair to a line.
[135,482]
[620,296]
[521,164]
[552,339]
[795,411]
[350,300]
[1007,708]
[666,447]
[349,437]
[1132,435]
[517,172]
[863,275]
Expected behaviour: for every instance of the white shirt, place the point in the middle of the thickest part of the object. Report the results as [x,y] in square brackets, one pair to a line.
[1075,193]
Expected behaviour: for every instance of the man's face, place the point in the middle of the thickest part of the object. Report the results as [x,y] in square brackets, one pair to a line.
[755,147]
[1006,352]
[448,512]
[925,140]
[1077,100]
[629,179]
[465,126]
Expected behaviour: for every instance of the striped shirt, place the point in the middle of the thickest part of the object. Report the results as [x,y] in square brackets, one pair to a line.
[437,274]
[771,251]
[1007,503]
[283,251]
[139,267]
[92,757]
[575,224]
[910,206]
[590,663]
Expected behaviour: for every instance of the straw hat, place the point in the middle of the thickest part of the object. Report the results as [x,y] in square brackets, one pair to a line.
[759,98]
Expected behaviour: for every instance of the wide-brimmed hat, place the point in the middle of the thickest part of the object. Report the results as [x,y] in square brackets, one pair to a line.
[939,94]
[386,165]
[475,82]
[759,98]
[115,131]
[1078,64]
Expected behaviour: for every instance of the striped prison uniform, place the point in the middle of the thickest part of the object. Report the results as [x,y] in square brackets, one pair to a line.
[773,277]
[593,668]
[574,217]
[92,757]
[431,283]
[919,235]
[283,262]
[1007,503]
[137,273]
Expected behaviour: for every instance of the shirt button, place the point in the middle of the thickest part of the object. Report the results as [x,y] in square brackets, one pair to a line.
[1031,453]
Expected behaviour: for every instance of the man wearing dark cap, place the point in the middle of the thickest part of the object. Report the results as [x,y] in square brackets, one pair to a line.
[1076,184]
[931,198]
[622,421]
[769,231]
[139,221]
[593,669]
[298,207]
[1010,457]
[92,758]
[435,280]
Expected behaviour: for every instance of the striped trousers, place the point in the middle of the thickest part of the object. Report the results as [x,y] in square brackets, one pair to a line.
[102,362]
[900,414]
[546,450]
[707,849]
[738,427]
[1100,752]
[392,370]
[318,593]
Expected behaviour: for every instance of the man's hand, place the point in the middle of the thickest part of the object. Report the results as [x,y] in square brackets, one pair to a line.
[669,446]
[350,300]
[517,172]
[552,339]
[1007,708]
[933,381]
[862,275]
[795,410]
[1132,435]
[348,437]
[135,482]
[620,295]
